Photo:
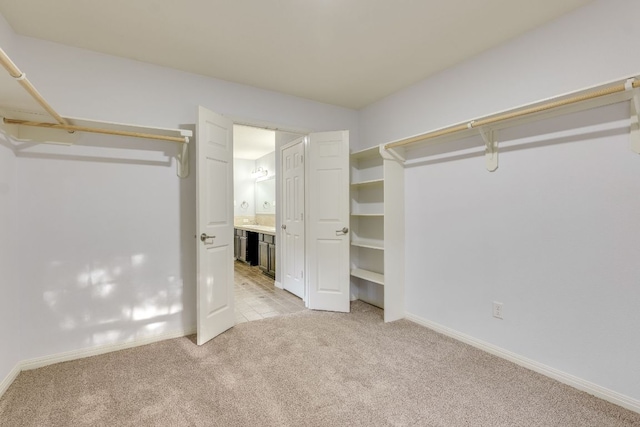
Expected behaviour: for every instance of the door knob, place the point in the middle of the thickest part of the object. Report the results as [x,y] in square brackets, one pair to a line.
[284,226]
[344,230]
[204,237]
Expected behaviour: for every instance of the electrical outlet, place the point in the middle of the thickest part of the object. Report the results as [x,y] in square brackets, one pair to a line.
[497,310]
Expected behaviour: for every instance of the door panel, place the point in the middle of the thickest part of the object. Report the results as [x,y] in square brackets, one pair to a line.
[217,204]
[217,296]
[293,221]
[329,278]
[263,255]
[328,211]
[328,217]
[214,220]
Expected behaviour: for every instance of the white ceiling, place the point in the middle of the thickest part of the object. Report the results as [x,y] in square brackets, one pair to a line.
[252,143]
[342,52]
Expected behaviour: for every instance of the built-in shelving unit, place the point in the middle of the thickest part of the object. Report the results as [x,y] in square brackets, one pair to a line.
[367,225]
[377,256]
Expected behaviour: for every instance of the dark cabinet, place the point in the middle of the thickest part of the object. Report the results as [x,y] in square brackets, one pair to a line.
[267,254]
[272,259]
[256,249]
[246,246]
[263,255]
[243,249]
[240,245]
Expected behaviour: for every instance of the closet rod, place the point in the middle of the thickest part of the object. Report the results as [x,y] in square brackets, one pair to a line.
[15,72]
[63,123]
[73,128]
[490,120]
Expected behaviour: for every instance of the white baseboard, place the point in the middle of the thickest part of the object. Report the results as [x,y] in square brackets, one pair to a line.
[8,380]
[278,285]
[39,362]
[571,380]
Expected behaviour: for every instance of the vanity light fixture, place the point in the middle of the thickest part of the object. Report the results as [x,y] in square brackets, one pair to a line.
[258,173]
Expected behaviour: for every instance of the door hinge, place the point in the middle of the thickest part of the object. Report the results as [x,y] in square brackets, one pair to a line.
[301,159]
[301,216]
[302,274]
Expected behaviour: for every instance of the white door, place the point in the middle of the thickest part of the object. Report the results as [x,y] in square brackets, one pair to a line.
[292,165]
[328,221]
[214,222]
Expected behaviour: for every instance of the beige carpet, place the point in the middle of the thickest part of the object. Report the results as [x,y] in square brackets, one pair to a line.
[303,369]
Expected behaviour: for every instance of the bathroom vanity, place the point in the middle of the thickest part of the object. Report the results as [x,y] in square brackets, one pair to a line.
[256,245]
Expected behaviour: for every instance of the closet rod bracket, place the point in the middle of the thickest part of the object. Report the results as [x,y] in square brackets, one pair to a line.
[182,159]
[396,154]
[491,148]
[635,122]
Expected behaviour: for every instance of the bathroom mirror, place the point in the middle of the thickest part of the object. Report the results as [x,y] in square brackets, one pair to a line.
[265,195]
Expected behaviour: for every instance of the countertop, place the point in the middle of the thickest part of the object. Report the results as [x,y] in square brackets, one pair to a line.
[257,229]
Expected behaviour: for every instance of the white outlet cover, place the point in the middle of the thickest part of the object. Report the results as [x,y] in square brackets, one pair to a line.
[497,310]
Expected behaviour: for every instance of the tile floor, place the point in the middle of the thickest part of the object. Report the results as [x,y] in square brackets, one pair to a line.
[257,298]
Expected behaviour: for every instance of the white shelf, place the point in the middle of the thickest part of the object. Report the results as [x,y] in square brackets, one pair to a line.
[178,133]
[367,214]
[112,126]
[372,182]
[367,152]
[368,243]
[368,275]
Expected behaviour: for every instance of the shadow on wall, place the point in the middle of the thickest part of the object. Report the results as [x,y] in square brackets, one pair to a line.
[107,250]
[597,123]
[124,307]
[188,239]
[102,149]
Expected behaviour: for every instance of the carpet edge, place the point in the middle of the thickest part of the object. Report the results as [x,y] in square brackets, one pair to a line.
[596,390]
[40,362]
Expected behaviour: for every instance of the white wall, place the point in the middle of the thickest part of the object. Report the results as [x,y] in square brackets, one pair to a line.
[244,187]
[592,45]
[10,327]
[268,163]
[107,248]
[245,184]
[553,234]
[266,187]
[80,83]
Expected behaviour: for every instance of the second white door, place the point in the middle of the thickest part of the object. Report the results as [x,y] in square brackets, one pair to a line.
[293,217]
[214,219]
[328,240]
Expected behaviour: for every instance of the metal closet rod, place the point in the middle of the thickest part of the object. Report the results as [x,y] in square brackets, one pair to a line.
[63,123]
[491,120]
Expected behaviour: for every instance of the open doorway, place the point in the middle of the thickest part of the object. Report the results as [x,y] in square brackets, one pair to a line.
[256,221]
[326,227]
